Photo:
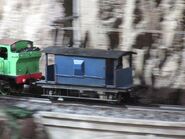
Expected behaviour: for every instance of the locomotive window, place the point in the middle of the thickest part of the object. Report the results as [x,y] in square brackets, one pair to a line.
[78,67]
[3,53]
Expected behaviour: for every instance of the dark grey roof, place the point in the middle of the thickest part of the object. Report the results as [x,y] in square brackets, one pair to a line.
[85,52]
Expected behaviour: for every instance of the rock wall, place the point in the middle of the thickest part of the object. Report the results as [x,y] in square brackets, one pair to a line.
[154,29]
[29,19]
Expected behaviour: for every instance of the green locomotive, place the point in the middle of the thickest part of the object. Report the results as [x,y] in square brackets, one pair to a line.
[19,64]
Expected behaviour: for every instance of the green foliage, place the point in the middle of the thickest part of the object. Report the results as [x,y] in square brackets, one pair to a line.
[18,113]
[13,114]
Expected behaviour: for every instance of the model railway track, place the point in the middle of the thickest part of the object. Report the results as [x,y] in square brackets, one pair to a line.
[66,119]
[159,108]
[85,126]
[60,102]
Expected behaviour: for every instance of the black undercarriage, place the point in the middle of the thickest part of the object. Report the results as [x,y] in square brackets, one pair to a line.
[55,91]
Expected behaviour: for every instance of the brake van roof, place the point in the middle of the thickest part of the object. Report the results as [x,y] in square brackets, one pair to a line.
[86,52]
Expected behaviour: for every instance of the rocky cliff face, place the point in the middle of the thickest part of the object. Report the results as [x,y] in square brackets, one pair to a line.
[154,29]
[29,19]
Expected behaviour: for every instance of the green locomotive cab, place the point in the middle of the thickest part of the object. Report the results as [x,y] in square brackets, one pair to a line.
[19,61]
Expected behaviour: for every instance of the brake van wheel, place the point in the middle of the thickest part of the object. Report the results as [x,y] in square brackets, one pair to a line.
[124,97]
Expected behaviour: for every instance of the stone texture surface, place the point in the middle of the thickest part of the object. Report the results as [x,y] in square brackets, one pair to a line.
[154,29]
[29,19]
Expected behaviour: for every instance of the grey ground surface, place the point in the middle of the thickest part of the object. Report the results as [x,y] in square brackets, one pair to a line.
[105,111]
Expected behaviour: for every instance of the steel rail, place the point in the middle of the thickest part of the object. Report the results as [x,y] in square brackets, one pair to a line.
[159,108]
[85,127]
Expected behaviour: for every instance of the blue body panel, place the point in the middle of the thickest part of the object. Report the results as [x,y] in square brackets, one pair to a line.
[124,78]
[80,70]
